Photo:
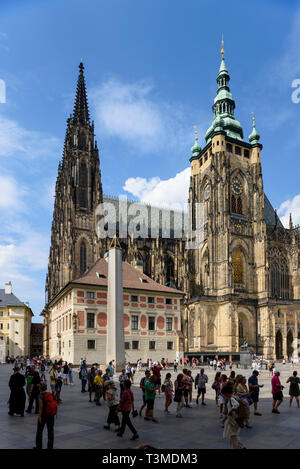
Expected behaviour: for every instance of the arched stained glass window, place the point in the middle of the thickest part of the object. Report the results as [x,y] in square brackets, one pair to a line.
[279,273]
[238,269]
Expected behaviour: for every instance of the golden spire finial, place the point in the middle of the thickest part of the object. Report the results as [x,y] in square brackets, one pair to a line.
[253,118]
[196,131]
[222,44]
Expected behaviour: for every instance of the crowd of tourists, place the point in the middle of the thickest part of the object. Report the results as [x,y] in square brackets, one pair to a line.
[40,382]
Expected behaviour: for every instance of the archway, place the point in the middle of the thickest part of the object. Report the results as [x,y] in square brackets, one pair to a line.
[279,344]
[289,344]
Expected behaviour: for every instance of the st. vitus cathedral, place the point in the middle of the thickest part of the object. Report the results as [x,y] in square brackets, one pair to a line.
[241,285]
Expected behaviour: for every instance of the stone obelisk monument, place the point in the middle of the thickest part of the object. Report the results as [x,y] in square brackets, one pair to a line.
[115,309]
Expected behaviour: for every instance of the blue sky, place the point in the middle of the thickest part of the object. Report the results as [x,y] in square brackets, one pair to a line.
[150,70]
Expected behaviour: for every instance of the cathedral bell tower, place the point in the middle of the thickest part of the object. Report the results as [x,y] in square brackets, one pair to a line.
[226,177]
[78,191]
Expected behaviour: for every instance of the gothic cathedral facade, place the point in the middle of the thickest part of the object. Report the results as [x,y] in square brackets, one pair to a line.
[242,285]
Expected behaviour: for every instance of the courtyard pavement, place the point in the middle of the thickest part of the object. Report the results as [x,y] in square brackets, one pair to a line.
[79,424]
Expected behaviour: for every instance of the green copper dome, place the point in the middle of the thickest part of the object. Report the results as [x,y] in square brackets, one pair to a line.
[223,108]
[196,149]
[254,136]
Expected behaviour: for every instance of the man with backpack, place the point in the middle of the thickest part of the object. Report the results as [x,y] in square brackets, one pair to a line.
[47,411]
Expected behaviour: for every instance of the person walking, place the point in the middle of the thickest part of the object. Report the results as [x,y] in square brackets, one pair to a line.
[47,412]
[122,378]
[34,393]
[58,385]
[167,388]
[178,397]
[98,385]
[126,405]
[216,386]
[150,393]
[53,378]
[71,375]
[200,383]
[65,373]
[294,391]
[83,377]
[231,427]
[17,398]
[112,404]
[276,392]
[91,389]
[254,390]
[142,386]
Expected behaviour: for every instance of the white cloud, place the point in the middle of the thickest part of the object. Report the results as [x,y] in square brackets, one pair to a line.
[133,113]
[287,207]
[19,142]
[12,194]
[171,193]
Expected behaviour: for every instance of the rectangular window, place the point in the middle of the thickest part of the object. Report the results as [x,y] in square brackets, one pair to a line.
[168,301]
[8,325]
[7,340]
[170,345]
[90,320]
[1,339]
[135,345]
[246,153]
[229,147]
[237,150]
[152,345]
[134,323]
[169,324]
[1,313]
[134,298]
[127,345]
[150,299]
[69,343]
[90,294]
[1,325]
[91,345]
[151,323]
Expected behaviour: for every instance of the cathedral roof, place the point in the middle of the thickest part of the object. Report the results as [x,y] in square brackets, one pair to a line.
[270,214]
[133,278]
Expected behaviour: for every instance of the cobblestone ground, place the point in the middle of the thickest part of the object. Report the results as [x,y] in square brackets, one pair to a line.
[79,424]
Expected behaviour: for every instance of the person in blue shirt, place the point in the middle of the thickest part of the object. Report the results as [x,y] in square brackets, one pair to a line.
[254,389]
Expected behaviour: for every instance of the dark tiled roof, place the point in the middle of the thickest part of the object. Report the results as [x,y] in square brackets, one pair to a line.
[270,214]
[132,278]
[9,300]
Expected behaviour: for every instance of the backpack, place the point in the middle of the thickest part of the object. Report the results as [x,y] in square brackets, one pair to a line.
[50,404]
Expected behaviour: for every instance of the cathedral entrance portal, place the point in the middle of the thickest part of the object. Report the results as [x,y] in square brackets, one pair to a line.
[279,345]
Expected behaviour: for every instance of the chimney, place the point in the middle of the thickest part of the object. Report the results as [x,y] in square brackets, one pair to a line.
[8,288]
[138,264]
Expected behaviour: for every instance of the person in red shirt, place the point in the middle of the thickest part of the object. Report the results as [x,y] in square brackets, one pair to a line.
[156,373]
[277,392]
[126,404]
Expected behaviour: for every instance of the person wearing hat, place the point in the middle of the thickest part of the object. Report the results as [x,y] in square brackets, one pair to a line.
[276,392]
[254,389]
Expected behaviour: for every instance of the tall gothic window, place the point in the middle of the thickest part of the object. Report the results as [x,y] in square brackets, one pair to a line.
[83,175]
[82,257]
[239,206]
[233,204]
[279,273]
[238,269]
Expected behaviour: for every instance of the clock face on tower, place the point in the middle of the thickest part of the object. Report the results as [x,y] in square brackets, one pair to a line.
[207,192]
[236,187]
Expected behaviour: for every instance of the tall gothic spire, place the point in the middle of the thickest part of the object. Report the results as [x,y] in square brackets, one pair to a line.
[81,110]
[223,107]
